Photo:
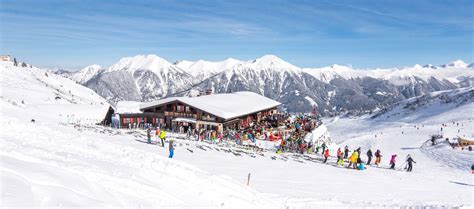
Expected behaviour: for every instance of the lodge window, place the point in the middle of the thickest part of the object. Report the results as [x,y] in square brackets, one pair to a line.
[180,108]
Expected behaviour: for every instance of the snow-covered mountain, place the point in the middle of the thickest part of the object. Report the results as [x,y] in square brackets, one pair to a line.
[86,73]
[427,105]
[139,78]
[335,89]
[201,69]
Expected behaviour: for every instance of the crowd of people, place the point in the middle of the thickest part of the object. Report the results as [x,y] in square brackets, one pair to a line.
[290,130]
[355,160]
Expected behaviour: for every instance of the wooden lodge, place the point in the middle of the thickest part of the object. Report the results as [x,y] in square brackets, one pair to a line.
[209,111]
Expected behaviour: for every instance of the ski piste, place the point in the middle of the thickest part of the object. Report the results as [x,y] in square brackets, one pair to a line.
[51,158]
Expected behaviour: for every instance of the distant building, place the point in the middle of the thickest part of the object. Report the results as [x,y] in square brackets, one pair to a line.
[209,111]
[128,114]
[5,58]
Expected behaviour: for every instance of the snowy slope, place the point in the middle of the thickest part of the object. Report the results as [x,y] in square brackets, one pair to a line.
[442,172]
[51,163]
[421,107]
[48,164]
[47,94]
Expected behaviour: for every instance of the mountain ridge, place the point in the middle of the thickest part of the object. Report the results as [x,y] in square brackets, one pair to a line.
[337,89]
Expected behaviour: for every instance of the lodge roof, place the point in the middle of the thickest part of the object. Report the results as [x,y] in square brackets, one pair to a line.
[226,106]
[129,107]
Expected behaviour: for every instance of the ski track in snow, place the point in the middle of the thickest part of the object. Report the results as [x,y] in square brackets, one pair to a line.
[443,153]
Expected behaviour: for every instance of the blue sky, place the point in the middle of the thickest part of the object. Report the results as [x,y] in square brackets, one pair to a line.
[364,34]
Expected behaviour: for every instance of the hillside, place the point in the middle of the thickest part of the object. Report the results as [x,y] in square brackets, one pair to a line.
[434,103]
[53,163]
[60,162]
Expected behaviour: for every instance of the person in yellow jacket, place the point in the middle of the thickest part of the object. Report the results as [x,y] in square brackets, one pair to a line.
[162,137]
[353,159]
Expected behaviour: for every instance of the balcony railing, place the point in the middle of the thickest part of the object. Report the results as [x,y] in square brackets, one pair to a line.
[181,114]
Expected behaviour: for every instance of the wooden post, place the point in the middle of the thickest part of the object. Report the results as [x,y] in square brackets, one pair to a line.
[248,180]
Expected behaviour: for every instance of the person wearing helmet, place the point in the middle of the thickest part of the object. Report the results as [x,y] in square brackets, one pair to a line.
[378,157]
[326,155]
[171,148]
[162,137]
[410,162]
[392,161]
[353,160]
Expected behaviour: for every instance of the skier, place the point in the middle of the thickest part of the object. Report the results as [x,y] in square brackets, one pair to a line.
[358,161]
[171,148]
[346,152]
[353,159]
[324,148]
[162,137]
[282,145]
[326,155]
[148,135]
[361,166]
[157,134]
[340,161]
[369,156]
[310,147]
[378,157]
[392,161]
[410,162]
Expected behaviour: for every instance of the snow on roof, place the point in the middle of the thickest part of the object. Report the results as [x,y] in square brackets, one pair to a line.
[226,106]
[128,107]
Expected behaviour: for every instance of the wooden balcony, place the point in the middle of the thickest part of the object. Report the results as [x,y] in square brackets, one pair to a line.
[181,114]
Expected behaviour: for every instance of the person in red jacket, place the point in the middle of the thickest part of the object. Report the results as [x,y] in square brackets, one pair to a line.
[326,155]
[339,157]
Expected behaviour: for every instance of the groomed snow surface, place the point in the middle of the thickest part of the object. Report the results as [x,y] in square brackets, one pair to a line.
[53,164]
